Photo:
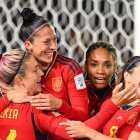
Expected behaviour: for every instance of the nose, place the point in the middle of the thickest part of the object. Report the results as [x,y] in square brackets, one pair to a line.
[100,70]
[53,45]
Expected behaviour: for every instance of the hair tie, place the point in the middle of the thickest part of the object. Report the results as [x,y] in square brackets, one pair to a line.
[136,60]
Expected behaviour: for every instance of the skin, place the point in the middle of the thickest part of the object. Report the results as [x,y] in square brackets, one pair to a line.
[100,67]
[32,78]
[134,77]
[77,129]
[29,84]
[43,46]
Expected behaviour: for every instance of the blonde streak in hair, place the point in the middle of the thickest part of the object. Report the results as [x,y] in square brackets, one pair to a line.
[9,64]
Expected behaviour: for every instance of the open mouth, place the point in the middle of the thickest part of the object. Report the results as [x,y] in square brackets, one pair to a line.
[100,80]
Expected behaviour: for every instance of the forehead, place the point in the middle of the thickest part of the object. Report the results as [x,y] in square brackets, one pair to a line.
[46,32]
[137,68]
[101,54]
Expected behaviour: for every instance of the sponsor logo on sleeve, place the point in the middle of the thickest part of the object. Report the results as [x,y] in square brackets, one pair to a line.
[79,82]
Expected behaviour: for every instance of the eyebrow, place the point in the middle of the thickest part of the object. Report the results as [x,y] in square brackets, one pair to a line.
[107,61]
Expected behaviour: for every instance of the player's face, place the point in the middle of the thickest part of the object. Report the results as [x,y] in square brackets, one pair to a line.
[44,45]
[32,78]
[100,67]
[135,78]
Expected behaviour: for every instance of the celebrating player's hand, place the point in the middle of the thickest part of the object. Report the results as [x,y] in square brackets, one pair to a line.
[46,102]
[77,129]
[125,96]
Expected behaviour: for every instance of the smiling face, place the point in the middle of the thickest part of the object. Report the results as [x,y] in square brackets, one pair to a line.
[43,45]
[32,77]
[100,67]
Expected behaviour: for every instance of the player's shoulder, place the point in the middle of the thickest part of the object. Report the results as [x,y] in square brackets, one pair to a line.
[69,62]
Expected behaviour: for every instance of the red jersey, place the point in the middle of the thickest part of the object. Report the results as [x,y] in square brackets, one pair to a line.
[24,122]
[137,126]
[64,79]
[98,121]
[123,123]
[95,102]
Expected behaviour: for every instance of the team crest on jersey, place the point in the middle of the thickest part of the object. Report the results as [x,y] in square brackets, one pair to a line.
[132,118]
[57,83]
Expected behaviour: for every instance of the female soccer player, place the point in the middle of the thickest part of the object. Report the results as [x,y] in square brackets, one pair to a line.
[101,68]
[21,121]
[63,81]
[125,123]
[20,69]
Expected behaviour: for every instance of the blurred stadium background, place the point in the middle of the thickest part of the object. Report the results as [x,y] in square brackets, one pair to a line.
[78,23]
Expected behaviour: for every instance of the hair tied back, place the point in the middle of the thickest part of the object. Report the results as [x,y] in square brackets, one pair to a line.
[27,15]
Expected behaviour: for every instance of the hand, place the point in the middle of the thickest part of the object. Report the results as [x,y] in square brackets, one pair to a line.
[125,96]
[76,129]
[46,102]
[18,94]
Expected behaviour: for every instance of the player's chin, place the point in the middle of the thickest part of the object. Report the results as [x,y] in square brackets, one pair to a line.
[100,86]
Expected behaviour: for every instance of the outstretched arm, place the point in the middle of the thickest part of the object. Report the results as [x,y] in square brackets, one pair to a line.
[49,122]
[77,129]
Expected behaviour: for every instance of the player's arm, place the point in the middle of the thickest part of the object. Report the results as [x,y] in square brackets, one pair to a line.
[77,129]
[49,122]
[109,107]
[99,120]
[135,134]
[77,92]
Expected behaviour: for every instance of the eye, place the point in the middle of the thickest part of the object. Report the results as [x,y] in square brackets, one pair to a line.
[108,65]
[47,41]
[93,64]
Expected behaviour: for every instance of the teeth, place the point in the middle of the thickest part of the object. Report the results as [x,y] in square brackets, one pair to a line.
[100,78]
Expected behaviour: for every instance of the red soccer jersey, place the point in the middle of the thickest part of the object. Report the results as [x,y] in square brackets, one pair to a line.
[64,79]
[106,112]
[123,123]
[137,127]
[24,122]
[95,102]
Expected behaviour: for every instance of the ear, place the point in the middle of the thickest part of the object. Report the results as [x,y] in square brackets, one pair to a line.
[18,80]
[127,77]
[28,45]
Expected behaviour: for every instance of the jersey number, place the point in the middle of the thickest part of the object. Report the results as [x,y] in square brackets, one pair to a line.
[12,135]
[113,131]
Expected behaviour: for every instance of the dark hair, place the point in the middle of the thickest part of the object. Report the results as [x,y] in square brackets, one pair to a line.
[31,21]
[128,67]
[110,48]
[100,44]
